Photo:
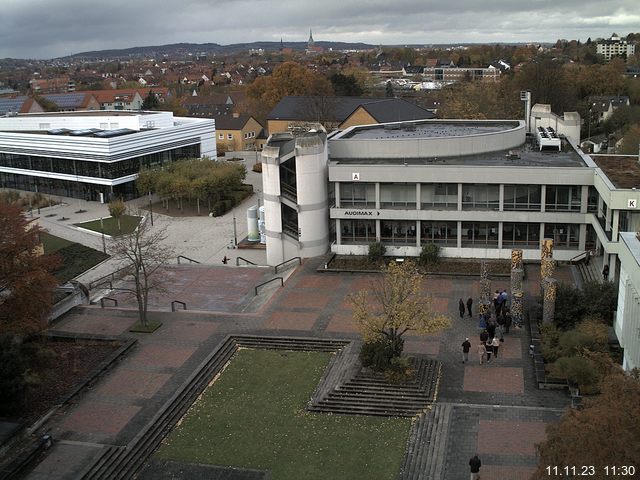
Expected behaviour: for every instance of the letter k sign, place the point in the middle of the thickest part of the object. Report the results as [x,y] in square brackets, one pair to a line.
[632,203]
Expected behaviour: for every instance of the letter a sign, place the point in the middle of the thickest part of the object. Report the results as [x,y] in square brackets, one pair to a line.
[355,177]
[632,203]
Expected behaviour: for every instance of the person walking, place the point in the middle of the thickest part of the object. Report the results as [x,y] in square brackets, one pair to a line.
[482,352]
[507,320]
[488,347]
[469,306]
[461,308]
[474,466]
[484,336]
[495,343]
[466,346]
[605,273]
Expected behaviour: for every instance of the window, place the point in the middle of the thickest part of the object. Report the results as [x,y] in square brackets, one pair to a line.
[480,197]
[358,231]
[398,195]
[229,136]
[480,234]
[441,196]
[592,200]
[44,126]
[520,235]
[565,236]
[398,232]
[444,233]
[563,198]
[522,197]
[358,195]
[221,136]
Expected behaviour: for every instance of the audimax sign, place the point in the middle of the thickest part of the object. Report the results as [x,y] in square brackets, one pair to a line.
[361,213]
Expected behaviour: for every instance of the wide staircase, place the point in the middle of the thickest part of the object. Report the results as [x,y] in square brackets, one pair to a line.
[346,388]
[589,272]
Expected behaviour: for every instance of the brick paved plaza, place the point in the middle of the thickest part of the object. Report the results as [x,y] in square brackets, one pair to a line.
[497,410]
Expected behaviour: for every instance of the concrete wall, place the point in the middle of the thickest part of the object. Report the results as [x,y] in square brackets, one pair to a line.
[567,125]
[627,322]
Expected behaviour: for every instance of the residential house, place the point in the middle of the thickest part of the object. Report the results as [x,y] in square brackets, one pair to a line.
[341,112]
[602,107]
[21,104]
[73,102]
[61,84]
[237,131]
[122,99]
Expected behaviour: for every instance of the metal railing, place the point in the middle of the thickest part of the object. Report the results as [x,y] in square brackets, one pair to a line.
[173,305]
[579,257]
[255,289]
[110,278]
[275,269]
[191,260]
[115,301]
[245,260]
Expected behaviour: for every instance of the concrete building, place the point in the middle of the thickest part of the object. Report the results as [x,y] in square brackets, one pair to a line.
[615,47]
[476,188]
[627,322]
[95,155]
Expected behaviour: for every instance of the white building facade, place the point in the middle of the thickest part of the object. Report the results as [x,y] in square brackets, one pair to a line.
[95,155]
[627,323]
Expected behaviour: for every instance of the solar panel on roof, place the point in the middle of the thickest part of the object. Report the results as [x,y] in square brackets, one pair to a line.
[58,131]
[66,100]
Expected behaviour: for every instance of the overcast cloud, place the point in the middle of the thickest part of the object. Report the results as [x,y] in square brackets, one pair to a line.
[54,28]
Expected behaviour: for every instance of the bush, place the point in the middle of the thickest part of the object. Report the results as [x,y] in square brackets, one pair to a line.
[399,370]
[257,168]
[430,255]
[578,369]
[601,300]
[378,354]
[570,306]
[376,251]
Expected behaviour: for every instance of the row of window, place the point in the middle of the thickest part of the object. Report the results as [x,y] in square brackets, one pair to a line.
[474,196]
[230,135]
[84,168]
[472,234]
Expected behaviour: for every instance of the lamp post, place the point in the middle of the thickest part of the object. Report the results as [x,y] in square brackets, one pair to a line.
[151,209]
[104,247]
[235,232]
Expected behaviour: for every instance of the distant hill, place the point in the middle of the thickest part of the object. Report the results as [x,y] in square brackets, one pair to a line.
[196,48]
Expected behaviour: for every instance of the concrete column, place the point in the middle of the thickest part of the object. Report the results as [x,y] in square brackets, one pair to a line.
[459,239]
[336,192]
[543,200]
[418,197]
[338,231]
[418,231]
[541,236]
[378,231]
[582,237]
[607,221]
[584,199]
[378,198]
[500,235]
[614,225]
[459,197]
[501,202]
[612,266]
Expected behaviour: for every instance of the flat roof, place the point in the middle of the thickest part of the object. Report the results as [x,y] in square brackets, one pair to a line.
[526,155]
[89,113]
[622,170]
[428,129]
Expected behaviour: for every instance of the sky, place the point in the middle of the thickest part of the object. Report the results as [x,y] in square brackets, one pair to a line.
[44,29]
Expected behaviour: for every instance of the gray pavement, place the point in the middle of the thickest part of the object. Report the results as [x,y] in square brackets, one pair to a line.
[203,238]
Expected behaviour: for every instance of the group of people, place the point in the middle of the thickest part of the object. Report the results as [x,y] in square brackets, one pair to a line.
[493,327]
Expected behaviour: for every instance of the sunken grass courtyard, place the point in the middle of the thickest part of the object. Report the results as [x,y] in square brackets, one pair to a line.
[253,416]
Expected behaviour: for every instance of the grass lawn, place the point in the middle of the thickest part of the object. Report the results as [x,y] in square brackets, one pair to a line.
[128,224]
[75,258]
[253,416]
[52,244]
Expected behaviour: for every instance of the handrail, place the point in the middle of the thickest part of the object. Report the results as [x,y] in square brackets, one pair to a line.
[115,301]
[173,305]
[275,269]
[186,258]
[575,259]
[269,281]
[111,277]
[242,258]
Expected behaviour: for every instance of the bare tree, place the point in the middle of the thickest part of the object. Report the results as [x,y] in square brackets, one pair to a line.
[144,253]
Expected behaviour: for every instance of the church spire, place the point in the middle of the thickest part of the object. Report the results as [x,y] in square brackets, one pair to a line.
[310,43]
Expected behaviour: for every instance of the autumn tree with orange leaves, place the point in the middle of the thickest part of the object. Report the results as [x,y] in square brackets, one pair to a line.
[26,283]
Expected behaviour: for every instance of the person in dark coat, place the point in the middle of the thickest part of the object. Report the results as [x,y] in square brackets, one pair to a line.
[474,466]
[507,320]
[484,336]
[462,308]
[488,346]
[605,273]
[466,346]
[469,305]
